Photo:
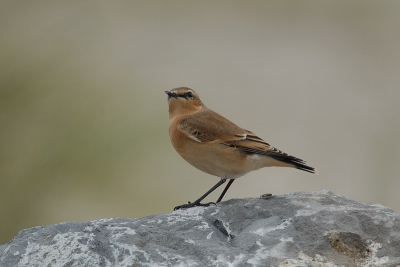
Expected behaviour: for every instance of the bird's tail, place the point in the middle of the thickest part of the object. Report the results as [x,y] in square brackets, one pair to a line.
[295,162]
[282,159]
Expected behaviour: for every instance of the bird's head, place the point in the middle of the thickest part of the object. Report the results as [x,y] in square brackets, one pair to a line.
[183,100]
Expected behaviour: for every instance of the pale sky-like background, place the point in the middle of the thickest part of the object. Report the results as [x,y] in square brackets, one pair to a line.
[84,116]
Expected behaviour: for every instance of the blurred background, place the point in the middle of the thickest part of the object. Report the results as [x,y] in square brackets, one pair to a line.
[84,116]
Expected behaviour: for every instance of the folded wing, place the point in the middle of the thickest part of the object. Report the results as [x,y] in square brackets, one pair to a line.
[209,126]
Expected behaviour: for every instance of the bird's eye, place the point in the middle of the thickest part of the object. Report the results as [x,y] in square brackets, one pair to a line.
[189,94]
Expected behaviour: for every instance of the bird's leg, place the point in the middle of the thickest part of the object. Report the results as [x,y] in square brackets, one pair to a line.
[226,189]
[197,202]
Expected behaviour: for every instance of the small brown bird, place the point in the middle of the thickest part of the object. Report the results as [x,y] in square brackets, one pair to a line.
[217,146]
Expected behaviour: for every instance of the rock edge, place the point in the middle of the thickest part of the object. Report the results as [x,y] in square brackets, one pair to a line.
[298,229]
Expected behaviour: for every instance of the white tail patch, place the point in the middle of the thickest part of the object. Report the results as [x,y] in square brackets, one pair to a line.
[266,161]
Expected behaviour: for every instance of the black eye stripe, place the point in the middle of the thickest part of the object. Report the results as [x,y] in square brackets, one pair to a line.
[186,95]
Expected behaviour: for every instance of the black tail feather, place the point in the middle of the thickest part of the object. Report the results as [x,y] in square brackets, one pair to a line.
[299,163]
[281,156]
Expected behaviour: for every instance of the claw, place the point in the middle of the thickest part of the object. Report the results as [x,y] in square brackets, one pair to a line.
[191,205]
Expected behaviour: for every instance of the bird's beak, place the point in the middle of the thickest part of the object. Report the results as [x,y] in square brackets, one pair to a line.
[171,94]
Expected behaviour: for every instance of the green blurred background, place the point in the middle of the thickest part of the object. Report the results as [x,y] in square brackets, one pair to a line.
[83,114]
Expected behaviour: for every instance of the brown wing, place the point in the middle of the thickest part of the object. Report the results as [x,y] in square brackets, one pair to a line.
[209,126]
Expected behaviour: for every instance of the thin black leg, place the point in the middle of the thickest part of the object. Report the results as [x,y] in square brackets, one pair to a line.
[209,191]
[226,189]
[197,202]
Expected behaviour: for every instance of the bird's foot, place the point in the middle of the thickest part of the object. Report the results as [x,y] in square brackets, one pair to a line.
[194,204]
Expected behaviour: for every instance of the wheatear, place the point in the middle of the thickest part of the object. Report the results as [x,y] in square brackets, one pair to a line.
[217,146]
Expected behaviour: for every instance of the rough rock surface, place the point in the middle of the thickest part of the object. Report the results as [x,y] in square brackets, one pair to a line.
[298,229]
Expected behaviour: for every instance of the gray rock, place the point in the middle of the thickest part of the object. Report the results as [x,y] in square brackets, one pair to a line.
[298,229]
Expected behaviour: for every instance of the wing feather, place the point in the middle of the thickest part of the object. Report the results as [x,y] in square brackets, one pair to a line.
[209,126]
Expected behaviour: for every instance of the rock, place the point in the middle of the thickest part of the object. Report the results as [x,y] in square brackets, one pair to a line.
[298,229]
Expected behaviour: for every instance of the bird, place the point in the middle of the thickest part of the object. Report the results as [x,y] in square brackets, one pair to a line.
[215,145]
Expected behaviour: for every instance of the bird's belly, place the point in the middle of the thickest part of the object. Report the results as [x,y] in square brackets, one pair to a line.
[220,160]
